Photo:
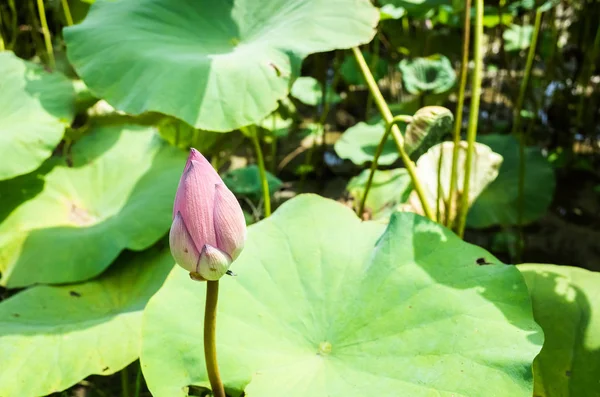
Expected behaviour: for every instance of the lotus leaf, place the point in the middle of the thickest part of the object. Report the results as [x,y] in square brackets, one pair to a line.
[84,210]
[433,74]
[324,305]
[35,108]
[215,65]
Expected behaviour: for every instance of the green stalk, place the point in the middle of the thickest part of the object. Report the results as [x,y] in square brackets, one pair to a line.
[67,11]
[373,66]
[473,115]
[210,348]
[261,169]
[395,130]
[2,46]
[378,151]
[588,70]
[274,146]
[527,72]
[125,382]
[46,32]
[517,123]
[138,381]
[464,68]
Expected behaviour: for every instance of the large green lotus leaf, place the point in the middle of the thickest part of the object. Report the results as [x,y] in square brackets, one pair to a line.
[309,91]
[566,303]
[351,72]
[35,108]
[434,170]
[246,182]
[52,337]
[323,305]
[117,194]
[359,144]
[498,204]
[388,189]
[433,74]
[216,65]
[427,128]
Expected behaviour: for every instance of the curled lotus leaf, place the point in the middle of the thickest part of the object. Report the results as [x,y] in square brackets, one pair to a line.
[430,75]
[427,128]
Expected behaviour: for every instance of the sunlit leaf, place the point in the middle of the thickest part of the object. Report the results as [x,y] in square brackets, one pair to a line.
[324,305]
[434,170]
[566,304]
[216,65]
[35,108]
[53,337]
[118,193]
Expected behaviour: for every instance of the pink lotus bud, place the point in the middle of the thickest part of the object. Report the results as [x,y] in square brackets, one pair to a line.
[209,229]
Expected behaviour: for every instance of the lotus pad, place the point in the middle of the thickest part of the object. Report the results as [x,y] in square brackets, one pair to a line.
[216,65]
[118,194]
[35,108]
[309,91]
[359,144]
[433,74]
[322,306]
[498,204]
[52,337]
[566,303]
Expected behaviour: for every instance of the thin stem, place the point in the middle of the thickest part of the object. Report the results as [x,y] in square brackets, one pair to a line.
[378,151]
[138,381]
[588,70]
[517,128]
[395,130]
[527,73]
[67,11]
[2,46]
[473,115]
[125,382]
[464,68]
[373,66]
[46,32]
[261,169]
[274,145]
[210,348]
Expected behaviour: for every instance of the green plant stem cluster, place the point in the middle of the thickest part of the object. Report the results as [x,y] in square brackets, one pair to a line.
[395,130]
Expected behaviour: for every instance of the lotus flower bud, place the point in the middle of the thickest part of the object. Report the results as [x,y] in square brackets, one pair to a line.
[209,229]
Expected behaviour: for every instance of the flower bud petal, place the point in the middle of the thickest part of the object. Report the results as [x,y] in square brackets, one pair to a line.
[213,263]
[230,225]
[183,249]
[195,199]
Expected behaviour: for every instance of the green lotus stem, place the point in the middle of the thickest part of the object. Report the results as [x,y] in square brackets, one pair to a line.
[262,172]
[210,347]
[138,382]
[46,32]
[125,382]
[2,46]
[464,68]
[517,128]
[373,66]
[473,115]
[588,70]
[395,130]
[274,146]
[67,11]
[378,151]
